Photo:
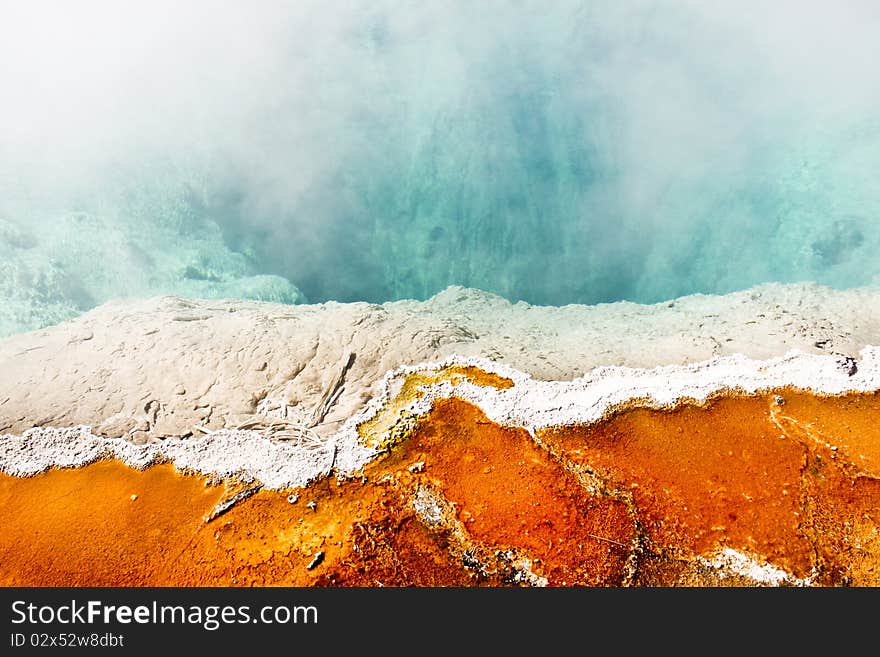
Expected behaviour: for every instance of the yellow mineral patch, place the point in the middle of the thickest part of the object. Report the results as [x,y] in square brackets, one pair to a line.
[391,422]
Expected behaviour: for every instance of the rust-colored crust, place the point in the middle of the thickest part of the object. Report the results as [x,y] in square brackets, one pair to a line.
[645,497]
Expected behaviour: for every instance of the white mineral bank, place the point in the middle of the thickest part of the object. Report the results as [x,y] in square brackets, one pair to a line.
[199,374]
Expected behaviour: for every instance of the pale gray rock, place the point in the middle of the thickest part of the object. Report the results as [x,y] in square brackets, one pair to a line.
[171,367]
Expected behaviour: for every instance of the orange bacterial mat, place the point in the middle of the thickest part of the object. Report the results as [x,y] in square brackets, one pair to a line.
[787,481]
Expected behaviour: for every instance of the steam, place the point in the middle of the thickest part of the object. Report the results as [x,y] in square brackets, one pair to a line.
[553,152]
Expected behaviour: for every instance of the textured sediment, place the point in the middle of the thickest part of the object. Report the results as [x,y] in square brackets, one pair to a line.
[169,367]
[710,440]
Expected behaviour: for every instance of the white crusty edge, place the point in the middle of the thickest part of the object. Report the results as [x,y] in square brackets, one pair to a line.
[530,403]
[730,563]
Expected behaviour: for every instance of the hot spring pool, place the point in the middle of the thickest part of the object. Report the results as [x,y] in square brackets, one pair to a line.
[583,152]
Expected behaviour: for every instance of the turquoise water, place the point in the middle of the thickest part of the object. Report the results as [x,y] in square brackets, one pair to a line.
[582,153]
